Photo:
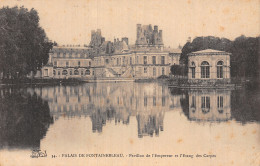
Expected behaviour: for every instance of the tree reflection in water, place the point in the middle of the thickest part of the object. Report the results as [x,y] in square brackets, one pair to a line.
[246,105]
[24,119]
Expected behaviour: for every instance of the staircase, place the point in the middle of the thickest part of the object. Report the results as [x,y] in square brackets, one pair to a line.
[128,73]
[112,73]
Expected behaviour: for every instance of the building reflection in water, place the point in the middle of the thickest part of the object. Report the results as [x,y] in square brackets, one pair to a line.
[216,105]
[104,102]
[24,119]
[209,105]
[212,105]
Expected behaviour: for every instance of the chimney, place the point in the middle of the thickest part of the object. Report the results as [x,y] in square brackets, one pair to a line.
[156,28]
[160,34]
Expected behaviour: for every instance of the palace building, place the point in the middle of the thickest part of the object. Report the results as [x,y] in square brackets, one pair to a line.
[114,60]
[209,66]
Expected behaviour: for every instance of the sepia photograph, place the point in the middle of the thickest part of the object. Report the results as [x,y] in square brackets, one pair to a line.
[129,82]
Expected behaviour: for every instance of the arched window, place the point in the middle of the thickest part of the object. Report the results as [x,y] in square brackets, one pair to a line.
[64,72]
[87,72]
[76,72]
[193,69]
[205,72]
[54,72]
[220,69]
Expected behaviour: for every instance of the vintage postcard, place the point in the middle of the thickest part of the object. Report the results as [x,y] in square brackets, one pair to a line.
[129,82]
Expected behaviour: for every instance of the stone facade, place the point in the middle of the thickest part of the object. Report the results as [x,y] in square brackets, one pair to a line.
[68,62]
[106,59]
[79,63]
[209,66]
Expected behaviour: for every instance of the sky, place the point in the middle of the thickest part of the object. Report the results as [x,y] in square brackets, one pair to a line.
[71,21]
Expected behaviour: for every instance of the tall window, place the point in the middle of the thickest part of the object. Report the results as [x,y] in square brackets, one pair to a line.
[193,102]
[123,60]
[192,70]
[220,69]
[55,63]
[89,63]
[154,101]
[54,72]
[130,60]
[163,71]
[145,60]
[220,104]
[78,63]
[163,101]
[154,60]
[137,60]
[205,72]
[145,69]
[67,64]
[163,60]
[154,71]
[117,61]
[205,104]
[145,101]
[70,72]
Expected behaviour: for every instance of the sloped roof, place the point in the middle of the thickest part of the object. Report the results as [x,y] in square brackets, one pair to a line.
[209,51]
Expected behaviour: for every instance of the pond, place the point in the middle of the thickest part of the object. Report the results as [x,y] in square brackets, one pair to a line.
[132,120]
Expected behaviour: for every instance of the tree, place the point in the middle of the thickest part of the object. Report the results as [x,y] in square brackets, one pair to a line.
[178,70]
[245,55]
[24,46]
[201,43]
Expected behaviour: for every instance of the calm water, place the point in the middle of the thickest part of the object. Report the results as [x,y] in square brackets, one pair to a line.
[130,118]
